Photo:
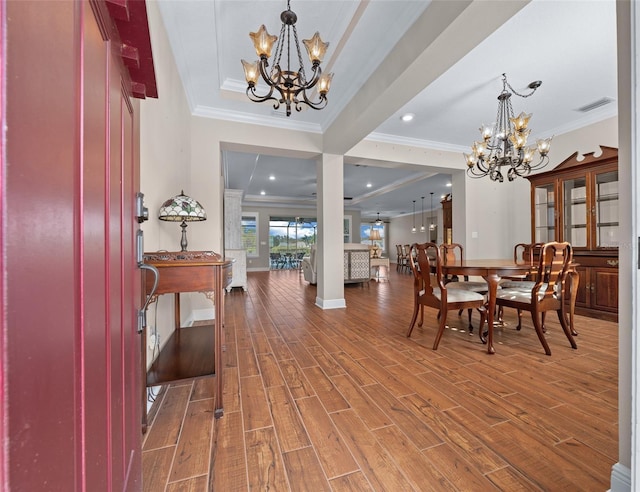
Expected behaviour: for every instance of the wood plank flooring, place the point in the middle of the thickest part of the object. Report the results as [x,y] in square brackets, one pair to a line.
[341,400]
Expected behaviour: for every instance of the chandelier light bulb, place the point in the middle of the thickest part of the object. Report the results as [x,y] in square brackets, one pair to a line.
[544,145]
[316,48]
[486,131]
[521,121]
[263,42]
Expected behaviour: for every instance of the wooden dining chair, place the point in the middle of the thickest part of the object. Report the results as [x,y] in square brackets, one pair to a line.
[406,252]
[454,252]
[430,290]
[401,262]
[523,254]
[547,291]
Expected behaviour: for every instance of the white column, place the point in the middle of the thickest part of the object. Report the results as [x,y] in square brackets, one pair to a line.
[624,475]
[330,246]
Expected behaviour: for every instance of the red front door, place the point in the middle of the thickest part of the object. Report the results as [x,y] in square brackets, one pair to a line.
[70,170]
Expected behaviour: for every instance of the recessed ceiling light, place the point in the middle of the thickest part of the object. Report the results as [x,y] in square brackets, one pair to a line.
[449,185]
[369,185]
[263,192]
[407,117]
[272,177]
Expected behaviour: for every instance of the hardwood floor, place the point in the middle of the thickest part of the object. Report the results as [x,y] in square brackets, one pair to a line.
[341,400]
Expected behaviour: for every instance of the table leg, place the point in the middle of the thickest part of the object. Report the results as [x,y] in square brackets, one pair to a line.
[177,310]
[492,282]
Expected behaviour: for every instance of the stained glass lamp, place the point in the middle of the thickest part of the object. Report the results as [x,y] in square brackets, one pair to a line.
[182,208]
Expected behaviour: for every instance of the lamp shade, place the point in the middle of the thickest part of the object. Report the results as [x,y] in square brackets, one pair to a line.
[375,235]
[182,208]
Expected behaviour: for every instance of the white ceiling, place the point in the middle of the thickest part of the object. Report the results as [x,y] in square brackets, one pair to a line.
[441,60]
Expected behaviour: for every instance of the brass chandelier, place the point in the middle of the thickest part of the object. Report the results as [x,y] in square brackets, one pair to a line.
[504,145]
[293,88]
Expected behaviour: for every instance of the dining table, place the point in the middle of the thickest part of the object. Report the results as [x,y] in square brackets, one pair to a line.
[492,270]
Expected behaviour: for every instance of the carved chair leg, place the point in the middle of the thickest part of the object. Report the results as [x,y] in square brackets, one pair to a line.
[413,319]
[470,325]
[538,326]
[519,327]
[566,329]
[443,321]
[421,315]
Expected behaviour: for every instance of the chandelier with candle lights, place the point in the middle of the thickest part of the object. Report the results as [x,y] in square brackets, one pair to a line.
[293,87]
[504,145]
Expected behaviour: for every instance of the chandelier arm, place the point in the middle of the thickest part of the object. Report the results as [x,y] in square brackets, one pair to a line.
[477,172]
[321,104]
[544,160]
[253,96]
[317,72]
[483,166]
[268,77]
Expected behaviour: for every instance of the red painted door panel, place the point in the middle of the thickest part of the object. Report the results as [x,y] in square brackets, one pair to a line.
[70,169]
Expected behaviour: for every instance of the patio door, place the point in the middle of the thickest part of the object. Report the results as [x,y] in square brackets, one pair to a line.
[290,238]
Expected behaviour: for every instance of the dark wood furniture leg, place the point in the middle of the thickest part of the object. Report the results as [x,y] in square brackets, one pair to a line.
[492,281]
[573,280]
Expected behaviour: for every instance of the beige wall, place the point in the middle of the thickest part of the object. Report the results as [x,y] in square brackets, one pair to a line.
[164,164]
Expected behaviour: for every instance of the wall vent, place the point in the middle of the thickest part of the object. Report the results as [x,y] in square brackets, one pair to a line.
[595,104]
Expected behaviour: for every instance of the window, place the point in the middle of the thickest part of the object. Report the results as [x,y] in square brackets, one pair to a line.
[249,224]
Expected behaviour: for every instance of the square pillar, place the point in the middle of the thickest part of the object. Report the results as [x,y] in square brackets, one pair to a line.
[330,244]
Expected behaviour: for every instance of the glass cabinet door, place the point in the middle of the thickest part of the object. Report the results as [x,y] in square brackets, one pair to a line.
[544,205]
[606,209]
[575,212]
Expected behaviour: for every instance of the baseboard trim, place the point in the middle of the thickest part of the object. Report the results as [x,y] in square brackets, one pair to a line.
[199,315]
[620,478]
[330,303]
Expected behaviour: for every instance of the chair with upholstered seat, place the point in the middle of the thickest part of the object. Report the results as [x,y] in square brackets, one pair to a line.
[430,290]
[523,254]
[454,252]
[547,291]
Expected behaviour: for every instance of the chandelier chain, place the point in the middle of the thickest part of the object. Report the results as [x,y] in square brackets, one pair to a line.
[301,75]
[507,84]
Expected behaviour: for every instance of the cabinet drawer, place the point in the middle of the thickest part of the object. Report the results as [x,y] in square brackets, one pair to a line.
[597,261]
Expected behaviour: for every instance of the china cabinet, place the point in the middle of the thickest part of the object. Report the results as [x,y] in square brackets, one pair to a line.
[578,202]
[447,219]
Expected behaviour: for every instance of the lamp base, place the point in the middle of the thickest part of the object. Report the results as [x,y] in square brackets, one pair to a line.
[183,241]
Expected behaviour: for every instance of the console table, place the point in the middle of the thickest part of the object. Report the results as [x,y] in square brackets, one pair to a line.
[194,351]
[377,263]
